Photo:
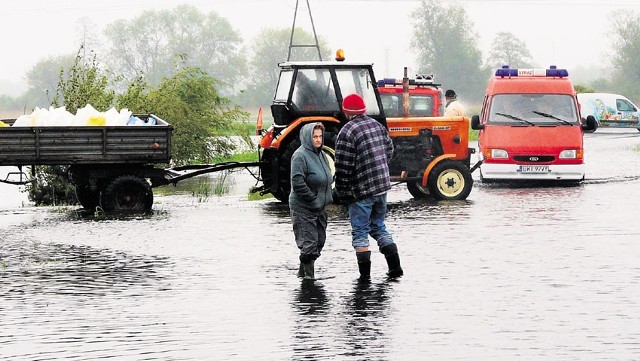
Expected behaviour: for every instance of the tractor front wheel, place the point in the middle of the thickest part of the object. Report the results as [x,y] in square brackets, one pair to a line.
[450,180]
[417,190]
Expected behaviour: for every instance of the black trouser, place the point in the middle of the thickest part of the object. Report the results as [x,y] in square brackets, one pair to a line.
[309,229]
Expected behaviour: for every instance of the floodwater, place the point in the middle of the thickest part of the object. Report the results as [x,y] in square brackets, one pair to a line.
[511,273]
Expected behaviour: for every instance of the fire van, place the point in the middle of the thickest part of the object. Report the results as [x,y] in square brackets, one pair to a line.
[530,127]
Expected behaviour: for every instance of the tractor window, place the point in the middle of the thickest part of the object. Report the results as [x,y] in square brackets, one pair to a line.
[359,81]
[314,91]
[284,85]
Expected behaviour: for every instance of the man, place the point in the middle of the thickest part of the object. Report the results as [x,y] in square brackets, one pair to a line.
[363,150]
[453,108]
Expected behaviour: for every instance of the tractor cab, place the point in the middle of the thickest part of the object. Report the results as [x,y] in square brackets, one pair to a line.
[310,91]
[316,88]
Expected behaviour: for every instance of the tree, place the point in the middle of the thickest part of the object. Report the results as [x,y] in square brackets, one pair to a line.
[43,78]
[84,84]
[156,44]
[626,58]
[266,50]
[446,44]
[507,49]
[198,113]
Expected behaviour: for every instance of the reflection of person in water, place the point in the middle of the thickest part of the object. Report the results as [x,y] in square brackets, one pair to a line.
[311,299]
[367,319]
[312,330]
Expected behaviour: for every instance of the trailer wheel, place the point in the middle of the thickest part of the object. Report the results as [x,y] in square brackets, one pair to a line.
[417,190]
[127,194]
[87,198]
[450,180]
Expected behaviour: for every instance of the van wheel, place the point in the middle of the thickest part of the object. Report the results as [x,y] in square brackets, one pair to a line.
[450,180]
[127,194]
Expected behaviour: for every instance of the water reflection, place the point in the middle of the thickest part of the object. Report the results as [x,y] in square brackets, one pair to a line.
[30,268]
[367,320]
[310,336]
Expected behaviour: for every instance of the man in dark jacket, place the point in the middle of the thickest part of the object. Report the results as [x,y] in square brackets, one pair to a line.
[311,179]
[363,150]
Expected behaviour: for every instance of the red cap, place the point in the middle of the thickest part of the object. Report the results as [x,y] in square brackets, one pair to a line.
[353,104]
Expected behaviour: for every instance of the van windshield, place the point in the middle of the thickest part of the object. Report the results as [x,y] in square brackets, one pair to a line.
[533,110]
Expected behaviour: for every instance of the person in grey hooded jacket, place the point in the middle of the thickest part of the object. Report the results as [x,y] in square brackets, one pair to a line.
[311,180]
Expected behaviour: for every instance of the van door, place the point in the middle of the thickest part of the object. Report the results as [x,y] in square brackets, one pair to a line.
[627,112]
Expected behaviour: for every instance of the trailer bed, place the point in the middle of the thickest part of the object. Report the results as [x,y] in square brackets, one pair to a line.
[67,145]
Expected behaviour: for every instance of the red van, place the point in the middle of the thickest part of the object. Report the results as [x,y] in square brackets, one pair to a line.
[530,127]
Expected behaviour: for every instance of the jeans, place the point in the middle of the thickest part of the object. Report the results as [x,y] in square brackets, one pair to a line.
[367,218]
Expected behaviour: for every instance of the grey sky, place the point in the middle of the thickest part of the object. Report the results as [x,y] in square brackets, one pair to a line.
[569,33]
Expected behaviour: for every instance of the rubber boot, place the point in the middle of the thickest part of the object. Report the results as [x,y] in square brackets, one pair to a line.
[364,264]
[301,270]
[393,260]
[308,270]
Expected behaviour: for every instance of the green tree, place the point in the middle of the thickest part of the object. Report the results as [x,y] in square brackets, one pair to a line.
[447,47]
[84,84]
[626,58]
[43,78]
[583,88]
[266,50]
[156,44]
[507,49]
[191,103]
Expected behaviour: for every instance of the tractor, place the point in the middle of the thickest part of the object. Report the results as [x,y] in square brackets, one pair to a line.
[431,153]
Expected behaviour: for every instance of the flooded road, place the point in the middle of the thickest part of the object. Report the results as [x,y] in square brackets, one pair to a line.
[511,273]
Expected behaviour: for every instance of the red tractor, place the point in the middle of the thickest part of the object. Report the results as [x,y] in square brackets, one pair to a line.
[425,98]
[431,153]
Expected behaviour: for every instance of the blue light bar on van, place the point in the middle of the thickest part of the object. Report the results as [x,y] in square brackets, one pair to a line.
[552,72]
[385,81]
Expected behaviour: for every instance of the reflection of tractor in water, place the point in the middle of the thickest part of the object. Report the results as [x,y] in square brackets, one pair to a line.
[431,153]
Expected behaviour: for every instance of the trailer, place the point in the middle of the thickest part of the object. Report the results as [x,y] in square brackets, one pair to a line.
[114,167]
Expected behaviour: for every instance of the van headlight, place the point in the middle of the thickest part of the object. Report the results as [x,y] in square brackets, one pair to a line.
[498,153]
[568,154]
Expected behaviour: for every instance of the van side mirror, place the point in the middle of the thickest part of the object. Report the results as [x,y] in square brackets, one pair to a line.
[475,123]
[590,124]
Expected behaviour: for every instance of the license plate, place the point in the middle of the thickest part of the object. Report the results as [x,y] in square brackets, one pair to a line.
[534,169]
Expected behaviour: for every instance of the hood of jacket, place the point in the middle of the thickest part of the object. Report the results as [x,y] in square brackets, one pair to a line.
[306,137]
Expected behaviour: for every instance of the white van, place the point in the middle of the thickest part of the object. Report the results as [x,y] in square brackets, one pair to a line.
[610,110]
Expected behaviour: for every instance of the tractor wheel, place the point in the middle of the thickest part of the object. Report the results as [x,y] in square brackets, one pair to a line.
[450,180]
[417,190]
[127,194]
[87,198]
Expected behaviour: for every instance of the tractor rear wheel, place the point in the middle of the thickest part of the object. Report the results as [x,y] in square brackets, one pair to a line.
[127,194]
[450,180]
